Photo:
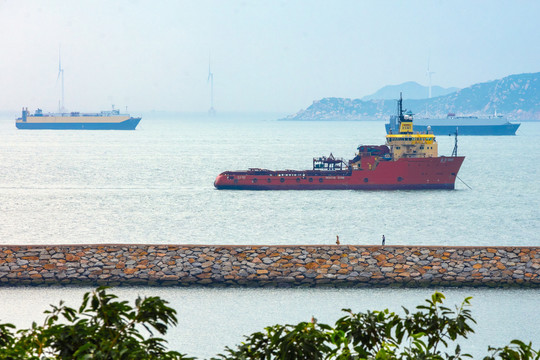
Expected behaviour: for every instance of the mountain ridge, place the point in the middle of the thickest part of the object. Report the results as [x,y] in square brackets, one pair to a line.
[516,97]
[413,90]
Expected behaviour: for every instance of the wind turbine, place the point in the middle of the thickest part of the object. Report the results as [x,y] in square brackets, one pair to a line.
[60,73]
[211,111]
[429,73]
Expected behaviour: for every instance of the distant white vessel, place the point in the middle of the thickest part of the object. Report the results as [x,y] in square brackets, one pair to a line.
[104,120]
[464,125]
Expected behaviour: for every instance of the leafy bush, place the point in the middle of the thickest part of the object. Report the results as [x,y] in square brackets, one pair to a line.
[384,335]
[105,328]
[102,328]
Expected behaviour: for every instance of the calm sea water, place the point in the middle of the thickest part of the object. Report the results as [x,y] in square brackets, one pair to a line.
[155,185]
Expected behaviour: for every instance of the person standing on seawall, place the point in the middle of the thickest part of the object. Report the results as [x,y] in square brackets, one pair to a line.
[383,240]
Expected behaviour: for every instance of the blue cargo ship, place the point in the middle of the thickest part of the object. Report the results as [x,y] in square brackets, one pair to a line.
[105,120]
[464,125]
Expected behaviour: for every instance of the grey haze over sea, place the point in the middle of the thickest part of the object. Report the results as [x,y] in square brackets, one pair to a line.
[155,185]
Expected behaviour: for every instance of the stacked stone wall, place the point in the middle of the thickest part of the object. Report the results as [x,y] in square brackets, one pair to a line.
[282,266]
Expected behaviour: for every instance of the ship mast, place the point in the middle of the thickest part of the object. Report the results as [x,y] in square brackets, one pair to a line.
[399,111]
[405,123]
[454,152]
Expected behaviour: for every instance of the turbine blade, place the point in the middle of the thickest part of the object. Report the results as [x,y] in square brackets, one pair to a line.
[59,63]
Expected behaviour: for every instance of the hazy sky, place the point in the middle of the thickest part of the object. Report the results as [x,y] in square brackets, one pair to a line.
[266,55]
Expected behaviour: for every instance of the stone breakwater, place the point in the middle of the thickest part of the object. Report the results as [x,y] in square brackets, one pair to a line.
[354,266]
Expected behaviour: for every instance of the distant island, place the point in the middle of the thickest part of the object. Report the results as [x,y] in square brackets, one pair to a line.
[517,97]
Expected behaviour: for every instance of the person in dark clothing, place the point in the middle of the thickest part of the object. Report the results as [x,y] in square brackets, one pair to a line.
[383,240]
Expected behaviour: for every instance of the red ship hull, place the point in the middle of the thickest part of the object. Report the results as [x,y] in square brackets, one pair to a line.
[405,173]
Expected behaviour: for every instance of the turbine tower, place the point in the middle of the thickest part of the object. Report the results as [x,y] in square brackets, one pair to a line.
[211,111]
[429,73]
[60,73]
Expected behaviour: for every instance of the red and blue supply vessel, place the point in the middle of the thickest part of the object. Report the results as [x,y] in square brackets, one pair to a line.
[408,160]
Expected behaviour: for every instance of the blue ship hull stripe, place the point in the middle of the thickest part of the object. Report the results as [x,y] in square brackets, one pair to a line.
[506,129]
[129,124]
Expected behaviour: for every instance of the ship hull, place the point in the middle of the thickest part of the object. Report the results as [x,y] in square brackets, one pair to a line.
[403,174]
[129,124]
[492,130]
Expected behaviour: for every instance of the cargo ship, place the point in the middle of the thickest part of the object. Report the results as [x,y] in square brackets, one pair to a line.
[465,125]
[104,120]
[408,160]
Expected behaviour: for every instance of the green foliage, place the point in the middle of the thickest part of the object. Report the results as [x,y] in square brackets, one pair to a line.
[309,341]
[105,328]
[517,350]
[102,328]
[380,335]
